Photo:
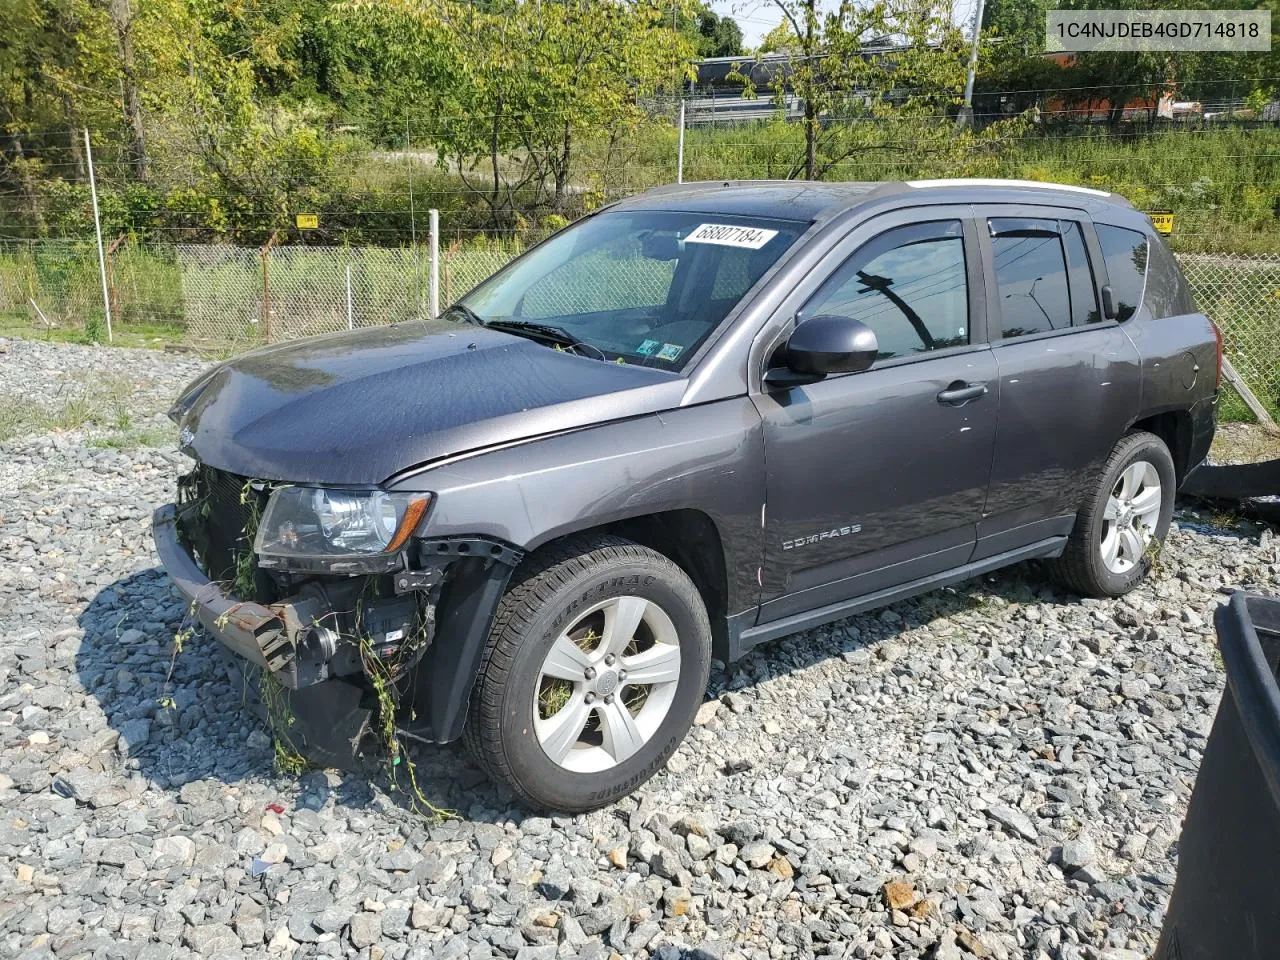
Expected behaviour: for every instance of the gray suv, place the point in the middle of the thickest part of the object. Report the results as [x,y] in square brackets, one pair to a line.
[702,418]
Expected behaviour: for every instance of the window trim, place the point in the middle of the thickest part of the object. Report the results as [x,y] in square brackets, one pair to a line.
[1089,261]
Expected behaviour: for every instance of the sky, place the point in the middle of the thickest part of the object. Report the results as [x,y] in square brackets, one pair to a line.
[758,17]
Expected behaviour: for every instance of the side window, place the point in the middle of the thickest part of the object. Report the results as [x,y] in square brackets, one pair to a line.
[1084,295]
[909,285]
[1031,276]
[1126,254]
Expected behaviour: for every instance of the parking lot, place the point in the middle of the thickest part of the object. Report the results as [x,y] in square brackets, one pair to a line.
[997,769]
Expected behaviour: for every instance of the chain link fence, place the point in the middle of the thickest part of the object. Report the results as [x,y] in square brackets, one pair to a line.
[225,298]
[1241,294]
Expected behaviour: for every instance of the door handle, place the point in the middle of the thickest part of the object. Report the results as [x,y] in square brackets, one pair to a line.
[961,392]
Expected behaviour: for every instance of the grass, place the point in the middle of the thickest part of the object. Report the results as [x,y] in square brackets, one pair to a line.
[1244,443]
[100,402]
[133,439]
[155,335]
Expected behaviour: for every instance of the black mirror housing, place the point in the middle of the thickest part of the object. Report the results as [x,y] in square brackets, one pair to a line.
[831,344]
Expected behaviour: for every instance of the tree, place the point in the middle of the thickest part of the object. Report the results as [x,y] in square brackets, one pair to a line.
[867,74]
[519,82]
[711,34]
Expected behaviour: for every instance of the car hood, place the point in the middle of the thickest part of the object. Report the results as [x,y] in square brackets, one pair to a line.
[359,407]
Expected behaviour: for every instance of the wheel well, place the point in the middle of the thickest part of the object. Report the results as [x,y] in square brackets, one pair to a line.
[1174,428]
[689,539]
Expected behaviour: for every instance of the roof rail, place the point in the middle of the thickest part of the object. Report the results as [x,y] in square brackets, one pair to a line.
[998,182]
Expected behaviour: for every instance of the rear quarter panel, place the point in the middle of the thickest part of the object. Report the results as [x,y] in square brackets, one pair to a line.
[1178,350]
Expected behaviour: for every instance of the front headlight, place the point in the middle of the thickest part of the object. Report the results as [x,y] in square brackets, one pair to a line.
[315,523]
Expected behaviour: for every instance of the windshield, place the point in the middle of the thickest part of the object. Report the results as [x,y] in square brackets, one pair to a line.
[635,286]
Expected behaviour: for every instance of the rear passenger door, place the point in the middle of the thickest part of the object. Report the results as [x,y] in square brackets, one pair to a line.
[1069,378]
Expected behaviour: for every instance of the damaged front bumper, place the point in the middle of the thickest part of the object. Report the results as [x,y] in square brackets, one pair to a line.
[310,641]
[255,632]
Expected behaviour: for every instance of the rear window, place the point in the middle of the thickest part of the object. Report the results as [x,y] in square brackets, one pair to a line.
[1125,252]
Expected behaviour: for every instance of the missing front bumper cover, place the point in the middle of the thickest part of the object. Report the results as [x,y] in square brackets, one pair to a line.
[305,639]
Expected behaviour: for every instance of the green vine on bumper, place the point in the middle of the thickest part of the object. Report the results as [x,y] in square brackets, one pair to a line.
[383,682]
[275,699]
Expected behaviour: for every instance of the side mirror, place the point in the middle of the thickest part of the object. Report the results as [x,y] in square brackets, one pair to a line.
[831,344]
[1108,303]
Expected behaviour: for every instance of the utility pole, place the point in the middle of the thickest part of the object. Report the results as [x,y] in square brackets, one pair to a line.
[966,112]
[97,226]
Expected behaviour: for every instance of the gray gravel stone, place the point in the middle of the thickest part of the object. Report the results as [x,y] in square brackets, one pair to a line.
[1018,759]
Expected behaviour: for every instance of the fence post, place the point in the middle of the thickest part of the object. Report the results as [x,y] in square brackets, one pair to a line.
[433,249]
[351,318]
[266,284]
[97,227]
[111,275]
[680,146]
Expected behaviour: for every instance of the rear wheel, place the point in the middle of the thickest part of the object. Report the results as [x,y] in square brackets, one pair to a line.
[1123,520]
[596,664]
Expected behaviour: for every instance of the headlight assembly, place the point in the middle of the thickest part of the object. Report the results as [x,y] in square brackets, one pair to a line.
[314,523]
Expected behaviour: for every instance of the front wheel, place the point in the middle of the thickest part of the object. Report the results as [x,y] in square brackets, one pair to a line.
[596,664]
[1123,520]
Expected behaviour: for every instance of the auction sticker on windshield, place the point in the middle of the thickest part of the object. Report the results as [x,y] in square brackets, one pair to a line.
[729,235]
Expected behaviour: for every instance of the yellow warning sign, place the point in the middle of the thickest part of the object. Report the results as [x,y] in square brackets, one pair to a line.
[307,221]
[1162,220]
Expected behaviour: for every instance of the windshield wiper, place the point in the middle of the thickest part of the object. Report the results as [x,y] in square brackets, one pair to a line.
[548,332]
[468,315]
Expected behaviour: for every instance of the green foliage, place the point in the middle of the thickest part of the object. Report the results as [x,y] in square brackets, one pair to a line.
[853,96]
[711,34]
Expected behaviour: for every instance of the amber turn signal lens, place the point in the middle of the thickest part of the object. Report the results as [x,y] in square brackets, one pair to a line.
[409,522]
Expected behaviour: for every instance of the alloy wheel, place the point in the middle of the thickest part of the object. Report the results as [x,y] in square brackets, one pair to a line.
[1129,520]
[606,684]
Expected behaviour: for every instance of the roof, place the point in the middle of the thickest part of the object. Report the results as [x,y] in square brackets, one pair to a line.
[808,200]
[804,200]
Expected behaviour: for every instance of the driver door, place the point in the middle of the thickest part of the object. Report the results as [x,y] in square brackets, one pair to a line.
[878,478]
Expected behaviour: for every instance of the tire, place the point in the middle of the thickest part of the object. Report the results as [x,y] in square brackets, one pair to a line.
[520,714]
[1084,566]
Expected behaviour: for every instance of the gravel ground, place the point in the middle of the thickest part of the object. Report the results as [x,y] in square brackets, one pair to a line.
[995,770]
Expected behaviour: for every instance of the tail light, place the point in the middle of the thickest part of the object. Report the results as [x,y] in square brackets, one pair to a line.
[1217,360]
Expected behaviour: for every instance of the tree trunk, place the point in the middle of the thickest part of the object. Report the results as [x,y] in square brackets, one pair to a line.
[27,184]
[810,141]
[810,109]
[73,138]
[562,170]
[122,19]
[496,194]
[1116,112]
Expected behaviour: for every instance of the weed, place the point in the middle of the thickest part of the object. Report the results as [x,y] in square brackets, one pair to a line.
[288,758]
[1153,553]
[244,585]
[381,677]
[133,439]
[1224,519]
